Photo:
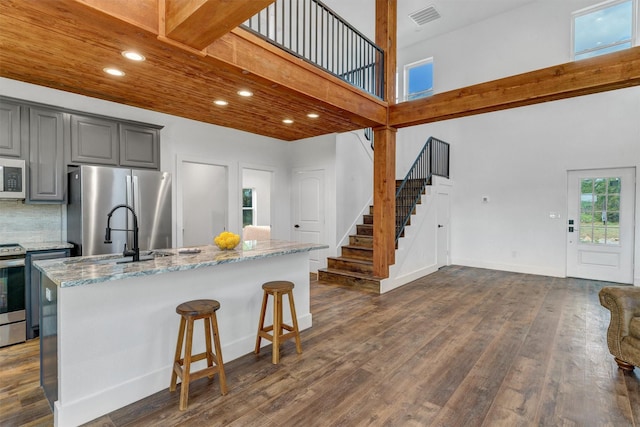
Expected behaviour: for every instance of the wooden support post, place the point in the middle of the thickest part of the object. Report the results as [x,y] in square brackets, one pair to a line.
[384,157]
[384,200]
[386,29]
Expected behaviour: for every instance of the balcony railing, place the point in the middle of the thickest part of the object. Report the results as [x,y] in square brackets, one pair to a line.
[313,32]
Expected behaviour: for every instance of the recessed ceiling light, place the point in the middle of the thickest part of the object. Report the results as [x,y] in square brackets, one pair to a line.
[287,121]
[313,115]
[134,56]
[113,71]
[220,102]
[245,93]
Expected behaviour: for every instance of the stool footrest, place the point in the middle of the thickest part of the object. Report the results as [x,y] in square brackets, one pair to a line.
[283,337]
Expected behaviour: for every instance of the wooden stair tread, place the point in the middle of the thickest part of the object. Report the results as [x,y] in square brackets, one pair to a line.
[353,260]
[363,248]
[351,273]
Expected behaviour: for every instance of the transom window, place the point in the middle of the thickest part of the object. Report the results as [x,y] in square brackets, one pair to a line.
[248,206]
[604,28]
[600,211]
[418,79]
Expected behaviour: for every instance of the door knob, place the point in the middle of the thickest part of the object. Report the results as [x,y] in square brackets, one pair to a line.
[440,225]
[296,226]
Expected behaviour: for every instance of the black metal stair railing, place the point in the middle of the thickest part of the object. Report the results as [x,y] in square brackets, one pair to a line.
[313,32]
[432,160]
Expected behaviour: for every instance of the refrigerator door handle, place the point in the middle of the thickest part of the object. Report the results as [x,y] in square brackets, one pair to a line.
[129,191]
[136,196]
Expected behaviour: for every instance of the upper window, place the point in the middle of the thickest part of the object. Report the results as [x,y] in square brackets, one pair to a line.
[418,79]
[604,28]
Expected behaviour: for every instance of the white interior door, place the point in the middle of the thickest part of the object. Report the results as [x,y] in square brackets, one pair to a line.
[308,212]
[600,224]
[443,218]
[204,202]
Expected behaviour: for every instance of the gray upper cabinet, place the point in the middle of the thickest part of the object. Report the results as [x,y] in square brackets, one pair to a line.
[139,146]
[46,160]
[94,140]
[10,129]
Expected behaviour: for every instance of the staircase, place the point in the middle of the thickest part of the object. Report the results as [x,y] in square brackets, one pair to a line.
[354,267]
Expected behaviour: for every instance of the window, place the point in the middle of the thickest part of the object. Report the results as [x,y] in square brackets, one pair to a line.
[418,79]
[604,28]
[600,211]
[248,206]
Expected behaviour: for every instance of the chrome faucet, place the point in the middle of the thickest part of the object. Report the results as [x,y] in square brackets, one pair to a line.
[107,236]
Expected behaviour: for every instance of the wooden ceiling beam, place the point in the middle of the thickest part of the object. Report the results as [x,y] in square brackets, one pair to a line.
[142,13]
[607,72]
[198,23]
[255,56]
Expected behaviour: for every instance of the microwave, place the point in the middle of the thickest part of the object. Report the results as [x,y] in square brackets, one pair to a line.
[12,178]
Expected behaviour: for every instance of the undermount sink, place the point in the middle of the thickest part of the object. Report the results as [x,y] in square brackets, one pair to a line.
[144,256]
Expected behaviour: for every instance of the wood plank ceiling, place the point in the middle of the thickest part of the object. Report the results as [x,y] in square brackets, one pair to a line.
[66,44]
[191,61]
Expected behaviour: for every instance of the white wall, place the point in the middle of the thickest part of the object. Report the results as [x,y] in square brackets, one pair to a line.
[188,139]
[537,35]
[354,183]
[519,158]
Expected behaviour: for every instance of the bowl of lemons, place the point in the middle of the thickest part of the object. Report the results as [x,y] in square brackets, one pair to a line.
[226,240]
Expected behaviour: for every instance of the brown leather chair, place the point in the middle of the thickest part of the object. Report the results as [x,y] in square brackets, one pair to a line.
[623,335]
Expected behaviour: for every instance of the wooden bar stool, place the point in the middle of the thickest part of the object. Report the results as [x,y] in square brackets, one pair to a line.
[277,289]
[189,312]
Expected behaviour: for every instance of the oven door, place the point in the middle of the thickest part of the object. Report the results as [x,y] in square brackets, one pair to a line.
[12,301]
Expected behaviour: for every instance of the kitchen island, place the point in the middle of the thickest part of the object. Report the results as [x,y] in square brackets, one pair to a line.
[109,329]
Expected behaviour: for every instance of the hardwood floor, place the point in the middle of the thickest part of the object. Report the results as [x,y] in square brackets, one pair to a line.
[461,347]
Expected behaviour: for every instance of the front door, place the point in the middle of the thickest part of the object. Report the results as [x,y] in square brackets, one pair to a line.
[308,212]
[600,224]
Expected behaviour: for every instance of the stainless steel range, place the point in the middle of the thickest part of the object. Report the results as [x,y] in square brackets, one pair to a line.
[12,295]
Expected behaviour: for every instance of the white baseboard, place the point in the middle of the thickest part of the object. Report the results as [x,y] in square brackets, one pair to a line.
[389,284]
[514,268]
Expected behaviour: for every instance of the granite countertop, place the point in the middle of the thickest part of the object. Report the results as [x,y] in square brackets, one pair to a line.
[45,246]
[77,271]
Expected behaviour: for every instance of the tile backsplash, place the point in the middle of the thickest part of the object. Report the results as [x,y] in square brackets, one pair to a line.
[23,223]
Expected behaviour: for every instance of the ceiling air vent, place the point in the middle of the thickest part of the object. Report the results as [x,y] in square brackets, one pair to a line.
[422,16]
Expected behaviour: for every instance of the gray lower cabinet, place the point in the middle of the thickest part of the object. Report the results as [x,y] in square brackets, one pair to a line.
[139,146]
[46,155]
[49,340]
[94,140]
[10,145]
[33,285]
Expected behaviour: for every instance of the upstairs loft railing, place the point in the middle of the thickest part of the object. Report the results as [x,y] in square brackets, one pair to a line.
[432,160]
[313,32]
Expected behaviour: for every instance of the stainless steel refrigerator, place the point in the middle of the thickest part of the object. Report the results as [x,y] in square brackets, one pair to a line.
[95,190]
